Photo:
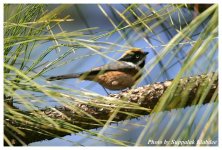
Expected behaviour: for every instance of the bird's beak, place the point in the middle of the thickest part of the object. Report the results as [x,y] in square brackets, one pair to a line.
[145,53]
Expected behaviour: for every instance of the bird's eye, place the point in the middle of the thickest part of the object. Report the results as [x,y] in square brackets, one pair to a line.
[137,56]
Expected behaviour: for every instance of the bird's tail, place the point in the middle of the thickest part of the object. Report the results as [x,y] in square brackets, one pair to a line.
[61,77]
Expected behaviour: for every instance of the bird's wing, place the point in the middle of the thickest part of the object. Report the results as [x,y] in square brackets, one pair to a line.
[89,75]
[115,66]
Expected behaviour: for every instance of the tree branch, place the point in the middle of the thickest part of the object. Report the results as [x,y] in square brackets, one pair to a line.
[132,103]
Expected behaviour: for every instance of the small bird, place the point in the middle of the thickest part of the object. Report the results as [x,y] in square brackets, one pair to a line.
[117,75]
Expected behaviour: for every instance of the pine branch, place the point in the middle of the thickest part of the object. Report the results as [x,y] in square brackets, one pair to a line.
[132,103]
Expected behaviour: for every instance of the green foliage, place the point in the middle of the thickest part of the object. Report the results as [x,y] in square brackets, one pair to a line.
[27,26]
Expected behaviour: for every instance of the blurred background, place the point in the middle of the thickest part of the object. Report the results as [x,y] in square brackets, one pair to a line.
[80,37]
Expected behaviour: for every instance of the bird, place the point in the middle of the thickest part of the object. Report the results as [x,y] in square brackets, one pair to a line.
[117,75]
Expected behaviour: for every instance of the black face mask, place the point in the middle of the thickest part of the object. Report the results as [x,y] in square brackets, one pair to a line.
[135,59]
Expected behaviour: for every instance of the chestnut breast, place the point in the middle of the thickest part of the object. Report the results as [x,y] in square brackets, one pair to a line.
[117,80]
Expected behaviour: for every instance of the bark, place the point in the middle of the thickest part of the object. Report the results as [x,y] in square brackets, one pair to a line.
[189,91]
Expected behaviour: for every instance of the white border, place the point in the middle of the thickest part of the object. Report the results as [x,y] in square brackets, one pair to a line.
[95,2]
[108,1]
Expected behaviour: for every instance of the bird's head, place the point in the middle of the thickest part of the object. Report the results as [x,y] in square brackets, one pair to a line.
[135,56]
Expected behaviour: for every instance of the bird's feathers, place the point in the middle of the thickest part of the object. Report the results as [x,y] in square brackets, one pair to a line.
[113,66]
[130,63]
[61,77]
